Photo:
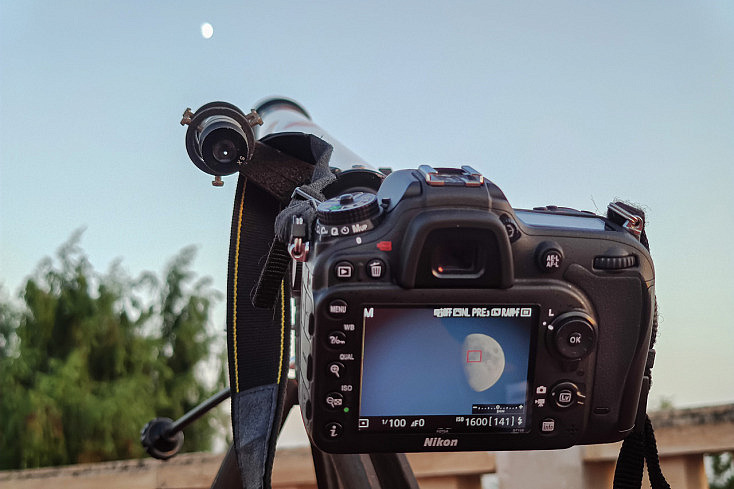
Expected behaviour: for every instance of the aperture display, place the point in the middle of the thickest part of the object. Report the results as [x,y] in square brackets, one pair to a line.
[446,368]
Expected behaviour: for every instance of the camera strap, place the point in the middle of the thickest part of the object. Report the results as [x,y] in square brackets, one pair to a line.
[258,338]
[640,446]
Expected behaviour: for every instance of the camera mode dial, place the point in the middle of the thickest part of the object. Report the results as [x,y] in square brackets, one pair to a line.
[347,214]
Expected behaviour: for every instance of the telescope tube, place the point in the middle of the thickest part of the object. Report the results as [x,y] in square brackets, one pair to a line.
[283,117]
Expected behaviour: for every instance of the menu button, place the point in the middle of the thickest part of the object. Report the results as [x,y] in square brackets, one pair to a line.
[337,308]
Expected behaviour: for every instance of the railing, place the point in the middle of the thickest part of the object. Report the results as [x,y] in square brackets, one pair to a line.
[683,435]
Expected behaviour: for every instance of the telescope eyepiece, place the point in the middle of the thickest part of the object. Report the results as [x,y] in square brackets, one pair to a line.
[221,144]
[220,138]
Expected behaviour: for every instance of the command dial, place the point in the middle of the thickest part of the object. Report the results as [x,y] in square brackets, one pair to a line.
[348,209]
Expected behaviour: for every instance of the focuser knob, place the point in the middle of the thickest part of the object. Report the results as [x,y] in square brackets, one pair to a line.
[347,214]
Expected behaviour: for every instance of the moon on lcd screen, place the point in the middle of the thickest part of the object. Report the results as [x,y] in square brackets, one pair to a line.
[207,31]
[484,361]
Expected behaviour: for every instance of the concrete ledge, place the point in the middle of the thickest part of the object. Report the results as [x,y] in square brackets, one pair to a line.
[680,432]
[293,469]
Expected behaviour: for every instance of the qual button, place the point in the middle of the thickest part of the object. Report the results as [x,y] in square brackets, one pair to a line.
[335,369]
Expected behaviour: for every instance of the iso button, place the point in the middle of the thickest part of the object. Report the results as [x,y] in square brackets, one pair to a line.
[334,401]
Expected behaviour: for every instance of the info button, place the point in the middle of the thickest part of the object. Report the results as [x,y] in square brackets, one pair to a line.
[548,425]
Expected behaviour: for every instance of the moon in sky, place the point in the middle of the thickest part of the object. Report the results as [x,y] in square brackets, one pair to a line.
[207,31]
[484,361]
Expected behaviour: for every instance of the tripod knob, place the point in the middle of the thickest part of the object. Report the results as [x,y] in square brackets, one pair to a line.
[157,440]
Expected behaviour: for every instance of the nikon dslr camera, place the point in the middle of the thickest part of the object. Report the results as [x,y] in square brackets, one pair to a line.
[434,316]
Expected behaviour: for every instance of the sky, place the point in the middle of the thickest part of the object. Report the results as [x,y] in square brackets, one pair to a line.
[572,103]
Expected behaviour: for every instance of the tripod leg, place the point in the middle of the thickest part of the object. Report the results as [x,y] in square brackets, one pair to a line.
[326,476]
[229,474]
[363,471]
[394,470]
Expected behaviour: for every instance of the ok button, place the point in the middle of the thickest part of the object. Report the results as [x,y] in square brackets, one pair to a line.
[574,339]
[573,336]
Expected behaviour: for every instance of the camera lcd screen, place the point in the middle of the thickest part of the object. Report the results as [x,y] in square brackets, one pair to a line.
[446,368]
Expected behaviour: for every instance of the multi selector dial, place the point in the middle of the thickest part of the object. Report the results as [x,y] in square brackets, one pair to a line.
[572,335]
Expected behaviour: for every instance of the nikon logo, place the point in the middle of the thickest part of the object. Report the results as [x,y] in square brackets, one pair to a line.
[439,442]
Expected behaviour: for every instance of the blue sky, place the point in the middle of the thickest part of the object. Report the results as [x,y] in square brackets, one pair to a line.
[567,103]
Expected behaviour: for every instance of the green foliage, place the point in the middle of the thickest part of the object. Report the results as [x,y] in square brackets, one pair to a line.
[722,471]
[86,359]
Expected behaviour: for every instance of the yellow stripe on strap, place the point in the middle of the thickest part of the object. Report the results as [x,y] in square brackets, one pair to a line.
[282,329]
[234,295]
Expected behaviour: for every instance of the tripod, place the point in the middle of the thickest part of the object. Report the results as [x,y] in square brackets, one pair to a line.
[163,439]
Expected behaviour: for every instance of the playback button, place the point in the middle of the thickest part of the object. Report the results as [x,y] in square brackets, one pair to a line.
[344,270]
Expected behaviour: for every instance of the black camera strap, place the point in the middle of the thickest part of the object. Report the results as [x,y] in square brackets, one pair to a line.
[640,446]
[258,338]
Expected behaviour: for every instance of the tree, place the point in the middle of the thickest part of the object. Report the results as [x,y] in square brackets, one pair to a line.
[86,359]
[722,471]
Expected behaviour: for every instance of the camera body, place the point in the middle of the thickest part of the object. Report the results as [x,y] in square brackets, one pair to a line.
[435,317]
